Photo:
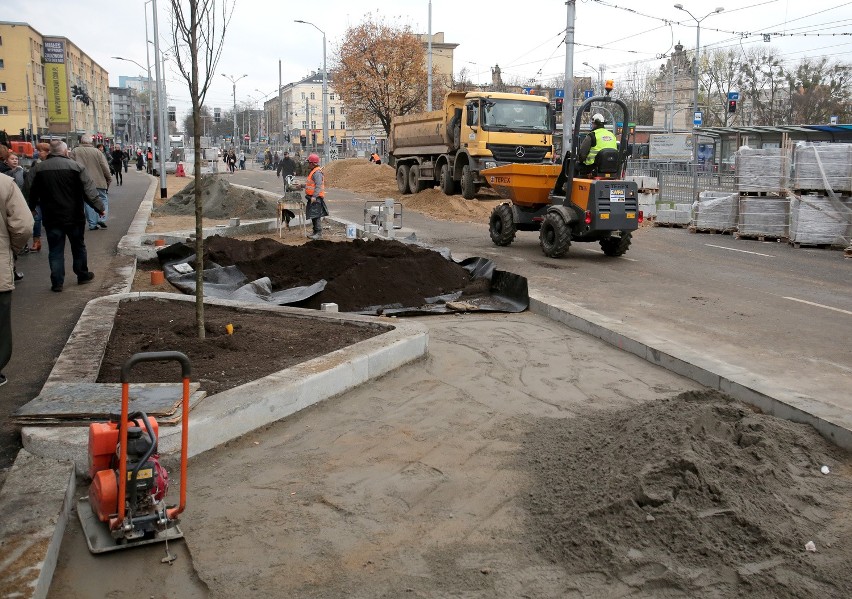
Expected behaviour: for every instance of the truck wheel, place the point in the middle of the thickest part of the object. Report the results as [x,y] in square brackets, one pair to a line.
[448,186]
[616,246]
[468,187]
[414,183]
[402,178]
[554,237]
[502,225]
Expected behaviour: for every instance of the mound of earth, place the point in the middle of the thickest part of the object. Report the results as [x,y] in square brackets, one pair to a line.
[379,180]
[220,200]
[360,274]
[697,495]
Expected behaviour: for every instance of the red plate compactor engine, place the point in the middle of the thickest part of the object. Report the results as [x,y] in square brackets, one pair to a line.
[129,484]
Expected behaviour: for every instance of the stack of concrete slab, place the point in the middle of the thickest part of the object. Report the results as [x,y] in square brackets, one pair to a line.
[678,215]
[764,216]
[716,211]
[649,194]
[820,167]
[820,220]
[761,170]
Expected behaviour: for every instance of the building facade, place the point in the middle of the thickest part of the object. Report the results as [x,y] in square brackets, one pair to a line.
[673,110]
[51,86]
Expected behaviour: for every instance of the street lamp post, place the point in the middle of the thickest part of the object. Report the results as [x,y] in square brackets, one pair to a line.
[161,101]
[599,73]
[695,91]
[233,81]
[324,94]
[150,96]
[265,122]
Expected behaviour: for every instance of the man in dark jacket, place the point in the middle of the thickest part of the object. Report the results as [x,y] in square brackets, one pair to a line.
[286,166]
[61,186]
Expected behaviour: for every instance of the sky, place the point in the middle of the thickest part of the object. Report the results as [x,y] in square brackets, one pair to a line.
[524,39]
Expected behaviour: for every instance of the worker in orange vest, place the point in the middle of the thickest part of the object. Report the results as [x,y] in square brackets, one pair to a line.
[315,196]
[375,158]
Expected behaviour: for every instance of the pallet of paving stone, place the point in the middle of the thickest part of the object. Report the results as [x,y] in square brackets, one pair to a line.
[678,215]
[81,403]
[820,167]
[761,170]
[819,220]
[716,211]
[764,216]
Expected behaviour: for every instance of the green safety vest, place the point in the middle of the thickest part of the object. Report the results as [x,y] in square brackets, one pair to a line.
[603,139]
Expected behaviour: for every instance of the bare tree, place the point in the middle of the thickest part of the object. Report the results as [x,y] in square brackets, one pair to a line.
[381,71]
[718,74]
[820,90]
[762,82]
[199,33]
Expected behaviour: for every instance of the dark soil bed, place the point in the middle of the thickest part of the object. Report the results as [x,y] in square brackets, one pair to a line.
[262,342]
[360,274]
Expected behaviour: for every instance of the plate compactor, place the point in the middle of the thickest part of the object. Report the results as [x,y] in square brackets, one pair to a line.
[564,207]
[126,505]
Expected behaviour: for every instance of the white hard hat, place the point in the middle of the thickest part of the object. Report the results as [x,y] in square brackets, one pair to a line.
[598,118]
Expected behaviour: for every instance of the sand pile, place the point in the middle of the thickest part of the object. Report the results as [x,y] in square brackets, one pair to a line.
[379,180]
[691,496]
[220,200]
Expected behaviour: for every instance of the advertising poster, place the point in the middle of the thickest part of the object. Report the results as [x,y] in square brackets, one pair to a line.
[55,81]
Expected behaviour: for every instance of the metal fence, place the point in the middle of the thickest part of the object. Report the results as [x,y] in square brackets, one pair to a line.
[675,179]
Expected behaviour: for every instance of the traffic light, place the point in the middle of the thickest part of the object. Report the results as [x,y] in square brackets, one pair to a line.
[172,115]
[732,105]
[559,102]
[217,115]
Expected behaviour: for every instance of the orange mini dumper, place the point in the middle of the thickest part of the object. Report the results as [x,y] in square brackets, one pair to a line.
[126,504]
[564,207]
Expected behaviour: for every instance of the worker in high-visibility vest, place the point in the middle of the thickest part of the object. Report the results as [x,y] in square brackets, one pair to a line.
[598,139]
[375,158]
[315,196]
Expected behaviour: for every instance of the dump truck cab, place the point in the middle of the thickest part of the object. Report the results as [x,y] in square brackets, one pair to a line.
[473,131]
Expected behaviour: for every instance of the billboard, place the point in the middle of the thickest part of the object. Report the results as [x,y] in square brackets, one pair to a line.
[674,146]
[56,81]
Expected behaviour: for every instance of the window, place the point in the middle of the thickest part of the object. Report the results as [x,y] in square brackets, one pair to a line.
[1,40]
[313,124]
[304,124]
[330,96]
[4,110]
[343,125]
[332,125]
[2,86]
[331,110]
[313,96]
[2,64]
[342,110]
[303,95]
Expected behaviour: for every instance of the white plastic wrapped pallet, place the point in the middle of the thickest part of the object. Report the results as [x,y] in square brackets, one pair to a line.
[820,220]
[761,170]
[822,167]
[715,210]
[764,216]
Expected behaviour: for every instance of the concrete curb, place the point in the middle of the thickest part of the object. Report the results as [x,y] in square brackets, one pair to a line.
[733,380]
[228,415]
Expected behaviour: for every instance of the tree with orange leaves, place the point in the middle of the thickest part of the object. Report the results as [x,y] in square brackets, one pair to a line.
[380,71]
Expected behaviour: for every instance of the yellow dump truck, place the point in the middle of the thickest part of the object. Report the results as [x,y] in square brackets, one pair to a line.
[473,131]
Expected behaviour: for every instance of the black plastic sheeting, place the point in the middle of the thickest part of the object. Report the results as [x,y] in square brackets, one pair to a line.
[508,292]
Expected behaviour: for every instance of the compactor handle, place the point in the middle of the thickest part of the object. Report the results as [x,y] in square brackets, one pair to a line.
[156,356]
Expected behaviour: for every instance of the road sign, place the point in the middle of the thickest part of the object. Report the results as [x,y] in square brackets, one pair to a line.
[833,120]
[733,95]
[559,93]
[372,139]
[246,137]
[697,118]
[588,93]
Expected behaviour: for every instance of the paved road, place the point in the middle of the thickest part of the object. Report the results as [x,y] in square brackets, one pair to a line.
[781,312]
[43,320]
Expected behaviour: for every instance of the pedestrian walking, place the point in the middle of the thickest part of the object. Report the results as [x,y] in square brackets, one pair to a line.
[95,163]
[61,187]
[242,160]
[286,166]
[17,222]
[117,162]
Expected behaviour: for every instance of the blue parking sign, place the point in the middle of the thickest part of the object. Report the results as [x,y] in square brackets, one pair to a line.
[588,93]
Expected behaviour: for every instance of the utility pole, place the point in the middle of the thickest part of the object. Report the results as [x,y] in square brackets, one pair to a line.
[29,103]
[234,83]
[429,64]
[283,134]
[568,123]
[161,102]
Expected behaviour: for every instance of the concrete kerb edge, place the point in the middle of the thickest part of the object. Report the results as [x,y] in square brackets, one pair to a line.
[271,398]
[735,381]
